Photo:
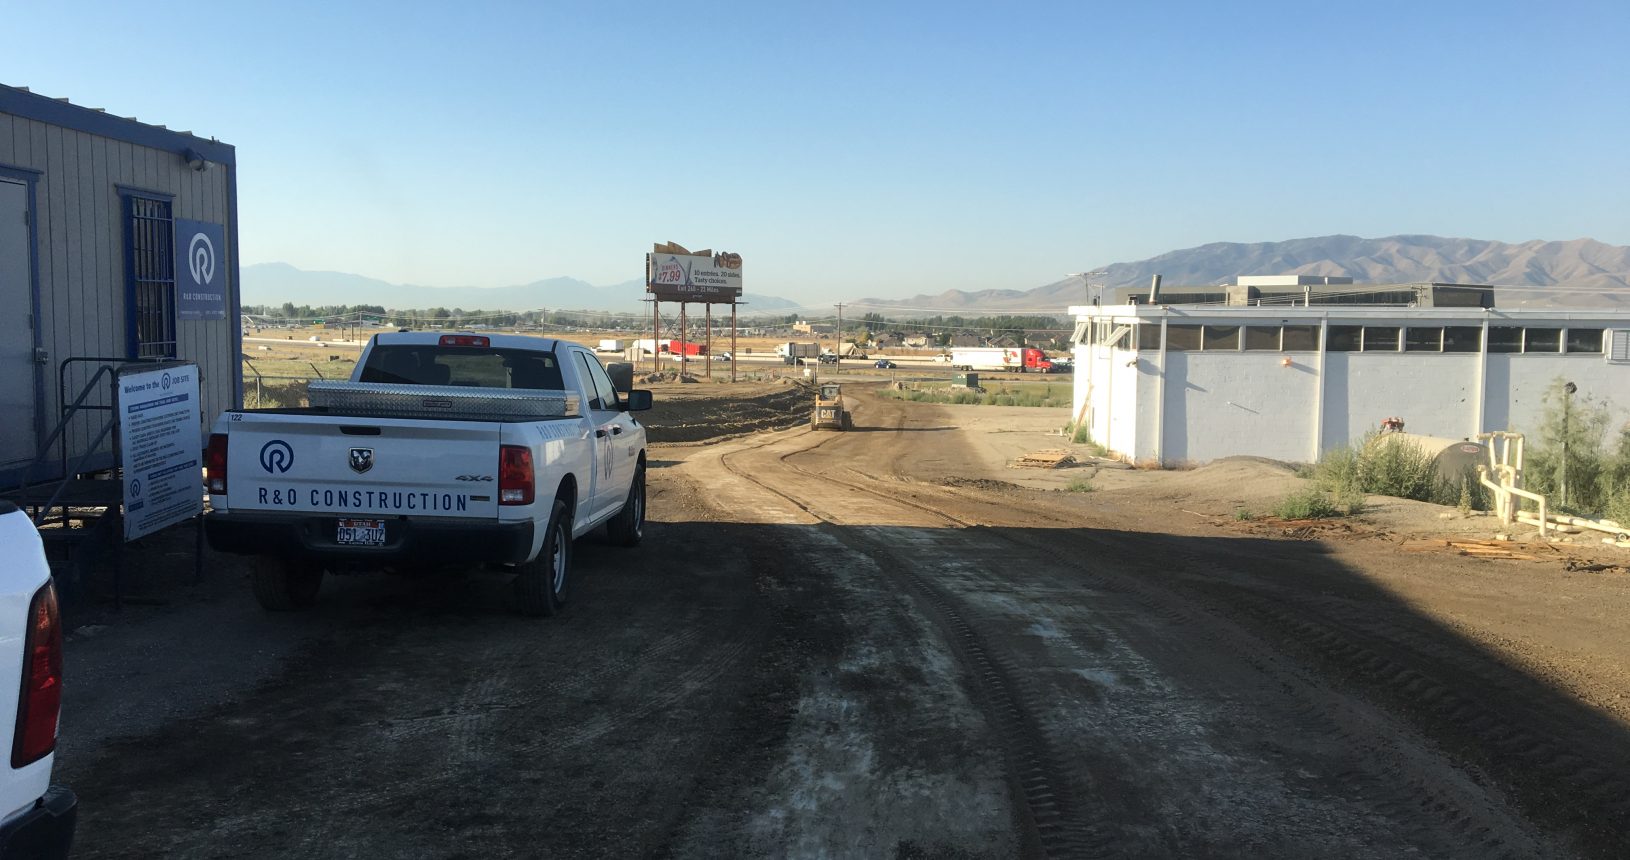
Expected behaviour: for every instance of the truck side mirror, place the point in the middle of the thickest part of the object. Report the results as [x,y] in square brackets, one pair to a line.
[637,400]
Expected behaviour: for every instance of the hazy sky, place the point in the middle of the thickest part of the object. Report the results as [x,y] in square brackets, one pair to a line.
[867,148]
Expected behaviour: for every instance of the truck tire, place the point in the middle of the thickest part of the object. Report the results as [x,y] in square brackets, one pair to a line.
[542,584]
[628,526]
[283,584]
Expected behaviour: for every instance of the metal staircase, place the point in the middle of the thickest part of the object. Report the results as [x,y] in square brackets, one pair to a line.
[78,512]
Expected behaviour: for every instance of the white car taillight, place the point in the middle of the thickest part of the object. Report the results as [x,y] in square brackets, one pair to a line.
[41,699]
[215,464]
[515,476]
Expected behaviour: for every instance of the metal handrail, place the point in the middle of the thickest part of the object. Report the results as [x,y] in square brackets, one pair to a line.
[39,514]
[69,410]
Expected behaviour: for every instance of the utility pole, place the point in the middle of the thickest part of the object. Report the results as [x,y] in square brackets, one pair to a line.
[840,330]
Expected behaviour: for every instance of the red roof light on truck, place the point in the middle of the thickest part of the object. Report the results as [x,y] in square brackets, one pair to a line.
[41,699]
[516,480]
[465,340]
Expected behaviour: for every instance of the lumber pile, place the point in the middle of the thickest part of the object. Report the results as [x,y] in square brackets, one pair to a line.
[1472,548]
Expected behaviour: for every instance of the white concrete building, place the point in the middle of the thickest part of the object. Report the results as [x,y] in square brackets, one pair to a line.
[1193,383]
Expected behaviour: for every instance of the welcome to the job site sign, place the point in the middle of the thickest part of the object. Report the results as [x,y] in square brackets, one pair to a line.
[159,438]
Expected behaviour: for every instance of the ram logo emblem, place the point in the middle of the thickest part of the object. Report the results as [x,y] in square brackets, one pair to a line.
[362,459]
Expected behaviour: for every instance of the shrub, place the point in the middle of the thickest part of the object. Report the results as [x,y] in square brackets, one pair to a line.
[1570,461]
[1375,465]
[1310,503]
[1079,485]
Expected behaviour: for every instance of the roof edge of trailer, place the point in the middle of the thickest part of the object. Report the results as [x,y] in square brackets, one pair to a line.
[20,101]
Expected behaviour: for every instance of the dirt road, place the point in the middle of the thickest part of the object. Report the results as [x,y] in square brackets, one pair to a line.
[826,648]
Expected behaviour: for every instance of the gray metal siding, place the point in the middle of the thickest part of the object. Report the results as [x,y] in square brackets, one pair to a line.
[80,229]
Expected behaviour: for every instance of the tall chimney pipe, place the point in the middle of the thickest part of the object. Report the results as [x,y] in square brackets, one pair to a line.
[1154,290]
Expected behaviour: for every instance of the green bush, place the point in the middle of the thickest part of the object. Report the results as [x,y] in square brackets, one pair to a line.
[1378,466]
[1079,485]
[1592,477]
[1310,503]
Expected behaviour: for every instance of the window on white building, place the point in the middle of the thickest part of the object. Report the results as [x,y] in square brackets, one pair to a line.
[1503,338]
[1584,340]
[1380,338]
[1462,338]
[1419,339]
[1181,338]
[1149,336]
[1542,340]
[1221,337]
[1344,338]
[1261,337]
[1300,338]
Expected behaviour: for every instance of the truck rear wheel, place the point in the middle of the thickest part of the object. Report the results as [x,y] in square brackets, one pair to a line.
[628,526]
[282,584]
[541,585]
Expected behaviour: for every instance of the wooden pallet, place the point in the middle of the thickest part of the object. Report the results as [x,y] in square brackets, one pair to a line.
[1052,458]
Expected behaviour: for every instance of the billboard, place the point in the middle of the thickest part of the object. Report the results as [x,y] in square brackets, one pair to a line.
[684,277]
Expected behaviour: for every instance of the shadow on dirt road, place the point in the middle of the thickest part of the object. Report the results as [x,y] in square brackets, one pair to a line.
[731,689]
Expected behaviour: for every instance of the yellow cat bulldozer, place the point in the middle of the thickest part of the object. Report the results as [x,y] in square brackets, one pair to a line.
[830,411]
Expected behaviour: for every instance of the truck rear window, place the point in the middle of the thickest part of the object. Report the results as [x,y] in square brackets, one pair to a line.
[427,364]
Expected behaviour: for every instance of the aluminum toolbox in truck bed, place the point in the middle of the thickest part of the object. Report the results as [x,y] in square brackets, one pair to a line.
[377,399]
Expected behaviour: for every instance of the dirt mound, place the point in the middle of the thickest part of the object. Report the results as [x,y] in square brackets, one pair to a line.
[668,376]
[712,412]
[1240,480]
[980,484]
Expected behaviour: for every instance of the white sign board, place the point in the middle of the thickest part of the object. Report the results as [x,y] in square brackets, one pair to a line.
[688,277]
[159,438]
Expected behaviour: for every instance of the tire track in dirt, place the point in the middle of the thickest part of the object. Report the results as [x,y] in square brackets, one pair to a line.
[1051,822]
[1447,799]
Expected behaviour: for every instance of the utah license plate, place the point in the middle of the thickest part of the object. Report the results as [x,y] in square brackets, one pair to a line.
[361,533]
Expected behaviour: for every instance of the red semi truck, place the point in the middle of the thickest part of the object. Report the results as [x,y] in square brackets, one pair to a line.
[1020,359]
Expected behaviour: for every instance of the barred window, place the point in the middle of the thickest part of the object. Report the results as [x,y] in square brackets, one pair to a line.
[150,278]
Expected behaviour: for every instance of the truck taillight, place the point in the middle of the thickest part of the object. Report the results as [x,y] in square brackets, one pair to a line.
[41,699]
[465,340]
[515,477]
[215,464]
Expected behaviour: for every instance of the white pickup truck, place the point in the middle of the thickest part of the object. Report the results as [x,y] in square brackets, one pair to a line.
[444,449]
[37,818]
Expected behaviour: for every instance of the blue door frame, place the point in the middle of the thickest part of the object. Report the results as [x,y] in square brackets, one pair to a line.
[30,179]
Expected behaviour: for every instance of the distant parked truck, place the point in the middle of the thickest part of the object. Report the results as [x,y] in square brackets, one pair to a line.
[793,349]
[1014,360]
[611,345]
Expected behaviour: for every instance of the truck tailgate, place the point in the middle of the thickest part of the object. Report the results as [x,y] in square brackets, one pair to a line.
[393,467]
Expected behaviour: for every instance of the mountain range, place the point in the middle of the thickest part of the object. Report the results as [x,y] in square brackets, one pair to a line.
[276,283]
[1601,272]
[1592,273]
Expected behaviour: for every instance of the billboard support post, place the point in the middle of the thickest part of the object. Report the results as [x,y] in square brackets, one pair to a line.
[733,342]
[707,339]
